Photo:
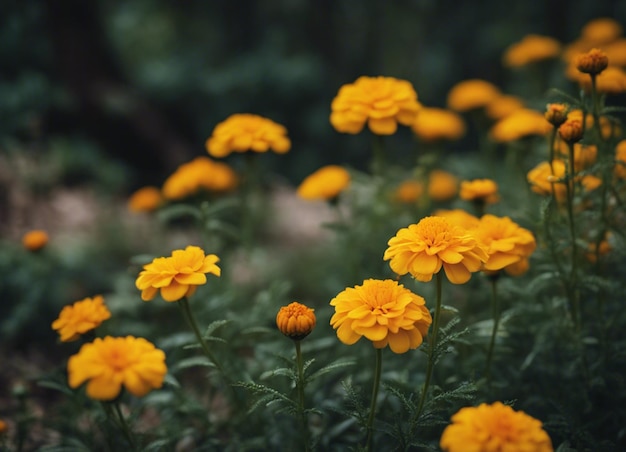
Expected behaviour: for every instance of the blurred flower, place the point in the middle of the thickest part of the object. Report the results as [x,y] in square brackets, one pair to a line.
[296,321]
[601,30]
[585,155]
[592,62]
[609,128]
[422,249]
[503,106]
[596,250]
[519,124]
[325,183]
[530,49]
[146,199]
[483,190]
[544,178]
[201,173]
[556,114]
[433,124]
[3,426]
[35,240]
[472,94]
[459,217]
[243,132]
[620,160]
[616,52]
[442,185]
[176,276]
[507,243]
[612,80]
[80,317]
[110,363]
[382,102]
[571,131]
[409,191]
[385,312]
[494,428]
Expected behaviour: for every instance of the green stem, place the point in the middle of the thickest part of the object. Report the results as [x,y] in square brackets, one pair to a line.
[370,418]
[378,157]
[301,414]
[114,414]
[570,190]
[495,309]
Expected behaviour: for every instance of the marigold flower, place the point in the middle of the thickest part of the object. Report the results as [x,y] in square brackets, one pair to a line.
[114,362]
[422,249]
[409,191]
[620,160]
[502,106]
[519,124]
[608,128]
[612,80]
[432,124]
[176,276]
[442,185]
[530,49]
[585,155]
[243,132]
[482,190]
[546,178]
[616,52]
[145,199]
[385,312]
[82,316]
[295,320]
[3,426]
[592,62]
[601,30]
[571,131]
[459,217]
[35,240]
[325,183]
[556,114]
[492,428]
[201,173]
[381,102]
[472,94]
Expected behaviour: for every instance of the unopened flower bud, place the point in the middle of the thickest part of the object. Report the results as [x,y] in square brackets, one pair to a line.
[592,62]
[296,321]
[556,114]
[571,131]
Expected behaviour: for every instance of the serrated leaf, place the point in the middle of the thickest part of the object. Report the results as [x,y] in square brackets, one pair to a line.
[330,367]
[192,361]
[214,326]
[176,211]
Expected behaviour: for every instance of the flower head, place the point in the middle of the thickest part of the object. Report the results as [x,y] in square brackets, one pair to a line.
[145,199]
[519,124]
[442,185]
[325,183]
[3,426]
[571,131]
[530,49]
[547,177]
[432,124]
[295,321]
[35,240]
[409,191]
[503,106]
[114,362]
[556,114]
[472,94]
[601,30]
[620,160]
[80,317]
[494,428]
[459,217]
[247,132]
[592,62]
[482,190]
[422,249]
[381,102]
[385,312]
[176,276]
[201,173]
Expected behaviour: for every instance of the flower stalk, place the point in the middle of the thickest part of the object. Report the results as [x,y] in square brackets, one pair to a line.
[495,310]
[300,384]
[375,388]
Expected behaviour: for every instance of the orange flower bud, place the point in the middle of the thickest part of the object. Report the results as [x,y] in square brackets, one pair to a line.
[556,114]
[35,240]
[571,131]
[296,321]
[592,62]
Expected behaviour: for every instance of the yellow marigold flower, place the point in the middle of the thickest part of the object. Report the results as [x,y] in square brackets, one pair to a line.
[530,49]
[472,94]
[146,199]
[422,249]
[503,106]
[82,316]
[295,320]
[483,190]
[592,62]
[325,183]
[571,131]
[544,178]
[385,312]
[442,185]
[382,102]
[519,124]
[35,240]
[114,362]
[459,217]
[243,132]
[494,428]
[507,242]
[433,124]
[585,155]
[612,80]
[201,173]
[601,30]
[409,191]
[608,128]
[620,160]
[177,276]
[556,114]
[616,52]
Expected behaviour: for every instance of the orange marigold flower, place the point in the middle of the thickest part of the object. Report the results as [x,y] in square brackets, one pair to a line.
[483,190]
[459,217]
[3,426]
[571,131]
[114,362]
[176,276]
[82,316]
[325,183]
[519,124]
[442,185]
[35,240]
[492,428]
[530,49]
[585,155]
[432,124]
[472,94]
[145,199]
[503,106]
[620,160]
[243,132]
[201,173]
[612,80]
[544,178]
[385,312]
[616,52]
[592,62]
[601,30]
[295,320]
[556,114]
[409,191]
[422,249]
[381,102]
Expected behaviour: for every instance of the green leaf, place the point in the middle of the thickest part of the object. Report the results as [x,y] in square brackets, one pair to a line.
[341,363]
[214,326]
[176,211]
[191,362]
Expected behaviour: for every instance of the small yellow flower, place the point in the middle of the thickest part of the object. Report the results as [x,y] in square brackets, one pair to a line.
[592,62]
[472,94]
[494,428]
[296,321]
[82,316]
[546,177]
[571,131]
[433,124]
[381,102]
[423,249]
[247,132]
[442,185]
[409,191]
[601,30]
[35,240]
[519,124]
[556,114]
[585,155]
[502,106]
[145,199]
[482,190]
[616,52]
[114,362]
[530,49]
[385,312]
[325,183]
[201,173]
[177,276]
